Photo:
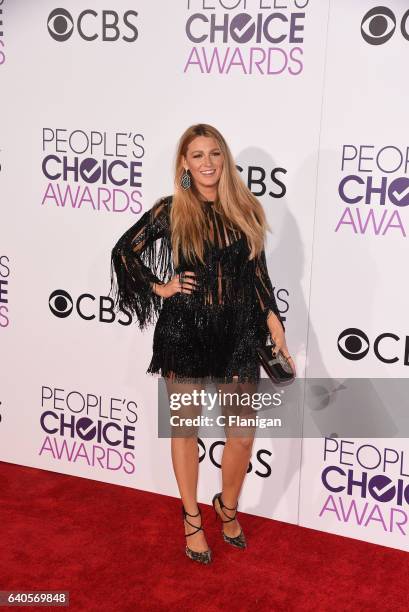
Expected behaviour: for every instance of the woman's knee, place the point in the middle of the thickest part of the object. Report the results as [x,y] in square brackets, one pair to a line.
[186,434]
[241,443]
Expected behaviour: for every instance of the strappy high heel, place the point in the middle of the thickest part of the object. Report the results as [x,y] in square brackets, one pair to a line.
[201,557]
[239,541]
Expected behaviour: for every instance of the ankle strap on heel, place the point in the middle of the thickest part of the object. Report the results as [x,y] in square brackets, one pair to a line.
[185,514]
[223,505]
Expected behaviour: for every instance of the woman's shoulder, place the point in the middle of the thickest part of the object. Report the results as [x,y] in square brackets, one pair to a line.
[164,200]
[160,211]
[162,205]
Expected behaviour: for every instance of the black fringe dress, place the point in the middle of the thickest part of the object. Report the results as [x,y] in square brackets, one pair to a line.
[211,334]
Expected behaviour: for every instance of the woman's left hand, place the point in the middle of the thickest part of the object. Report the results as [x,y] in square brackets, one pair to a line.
[278,336]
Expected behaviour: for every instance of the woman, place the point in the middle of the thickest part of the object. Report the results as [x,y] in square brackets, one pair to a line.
[195,263]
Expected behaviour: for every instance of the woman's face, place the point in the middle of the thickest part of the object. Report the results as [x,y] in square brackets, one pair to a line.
[204,159]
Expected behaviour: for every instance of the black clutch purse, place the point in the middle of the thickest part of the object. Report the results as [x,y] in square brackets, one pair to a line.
[277,368]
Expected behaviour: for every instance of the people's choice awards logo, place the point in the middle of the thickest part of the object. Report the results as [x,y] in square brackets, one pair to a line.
[91,25]
[2,52]
[373,190]
[88,428]
[366,486]
[379,24]
[226,39]
[88,169]
[4,284]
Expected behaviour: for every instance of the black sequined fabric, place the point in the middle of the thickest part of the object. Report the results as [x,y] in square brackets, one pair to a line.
[211,334]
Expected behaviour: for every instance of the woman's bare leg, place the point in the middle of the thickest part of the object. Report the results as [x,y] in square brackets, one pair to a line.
[185,461]
[236,455]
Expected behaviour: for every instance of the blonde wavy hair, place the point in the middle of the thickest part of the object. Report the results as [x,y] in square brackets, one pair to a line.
[235,202]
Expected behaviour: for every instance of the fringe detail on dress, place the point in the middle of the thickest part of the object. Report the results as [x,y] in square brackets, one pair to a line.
[132,274]
[204,380]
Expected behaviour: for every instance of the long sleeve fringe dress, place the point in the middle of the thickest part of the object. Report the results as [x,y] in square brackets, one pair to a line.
[211,334]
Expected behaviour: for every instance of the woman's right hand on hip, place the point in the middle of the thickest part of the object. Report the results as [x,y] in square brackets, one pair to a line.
[184,282]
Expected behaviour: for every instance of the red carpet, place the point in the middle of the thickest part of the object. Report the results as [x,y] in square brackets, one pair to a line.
[122,550]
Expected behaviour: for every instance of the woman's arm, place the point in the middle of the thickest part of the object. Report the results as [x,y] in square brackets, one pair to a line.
[141,259]
[264,289]
[269,309]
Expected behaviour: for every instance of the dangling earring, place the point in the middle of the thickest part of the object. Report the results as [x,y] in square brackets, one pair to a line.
[185,181]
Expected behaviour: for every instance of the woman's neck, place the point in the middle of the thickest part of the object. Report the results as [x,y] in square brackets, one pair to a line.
[208,196]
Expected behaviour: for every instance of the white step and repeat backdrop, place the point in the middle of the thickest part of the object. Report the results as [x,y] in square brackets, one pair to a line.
[312,97]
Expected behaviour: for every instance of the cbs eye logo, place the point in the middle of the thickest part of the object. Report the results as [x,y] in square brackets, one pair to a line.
[353,344]
[60,303]
[379,24]
[60,24]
